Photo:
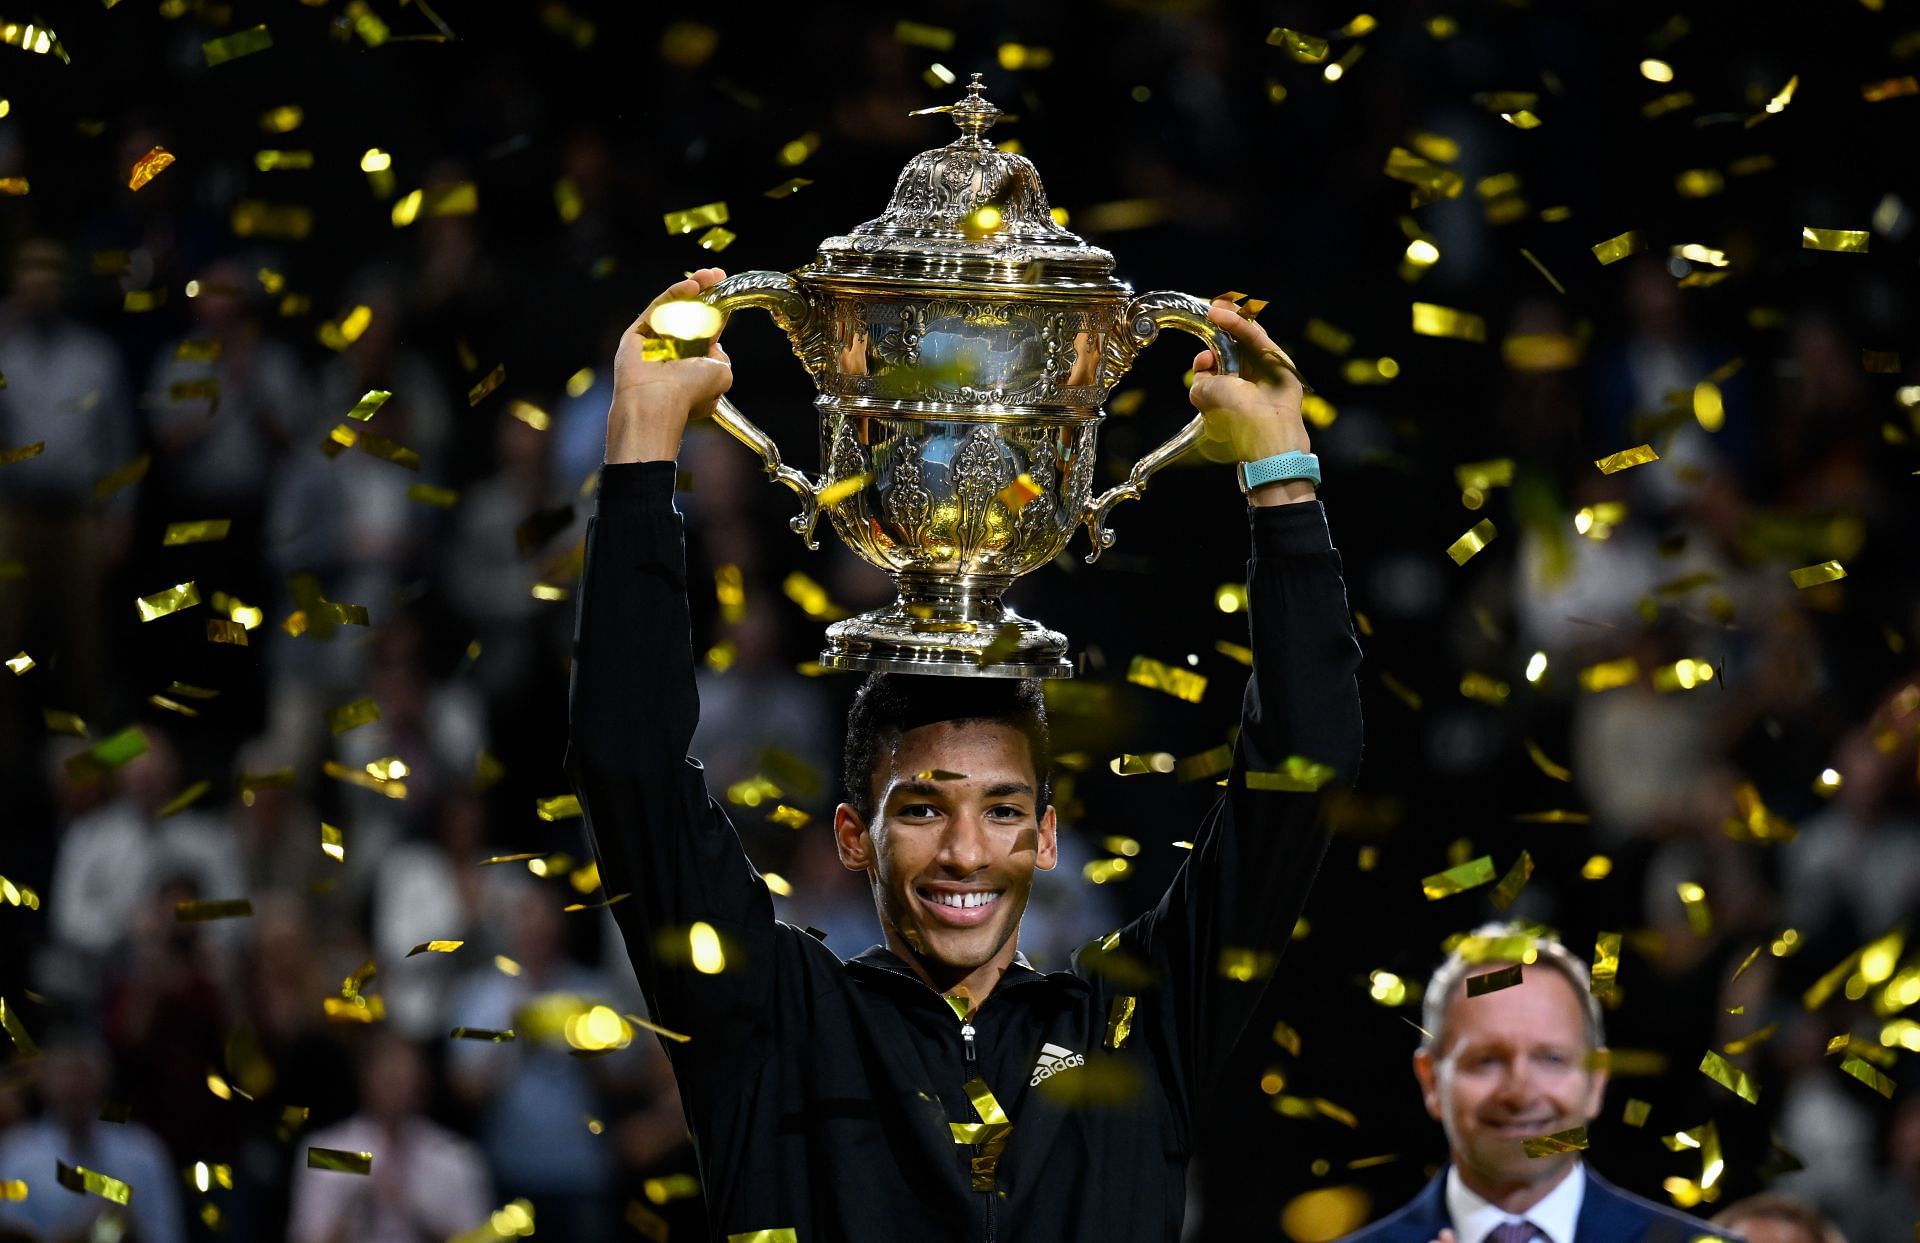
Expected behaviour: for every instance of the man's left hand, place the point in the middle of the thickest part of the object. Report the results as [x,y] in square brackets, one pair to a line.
[1255,414]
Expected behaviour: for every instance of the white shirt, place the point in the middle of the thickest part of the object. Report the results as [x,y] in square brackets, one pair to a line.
[1554,1217]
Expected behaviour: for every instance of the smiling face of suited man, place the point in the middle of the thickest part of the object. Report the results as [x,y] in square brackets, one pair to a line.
[1514,1064]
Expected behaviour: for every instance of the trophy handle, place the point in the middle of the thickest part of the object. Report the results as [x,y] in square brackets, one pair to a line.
[780,296]
[1146,316]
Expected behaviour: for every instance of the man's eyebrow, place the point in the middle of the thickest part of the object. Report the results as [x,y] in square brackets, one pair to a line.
[928,789]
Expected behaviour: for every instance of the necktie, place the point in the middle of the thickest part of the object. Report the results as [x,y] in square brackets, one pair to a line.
[1514,1232]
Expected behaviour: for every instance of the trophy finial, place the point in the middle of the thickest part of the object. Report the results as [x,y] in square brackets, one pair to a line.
[975,114]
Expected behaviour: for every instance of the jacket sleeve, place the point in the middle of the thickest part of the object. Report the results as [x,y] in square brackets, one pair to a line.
[1213,940]
[658,836]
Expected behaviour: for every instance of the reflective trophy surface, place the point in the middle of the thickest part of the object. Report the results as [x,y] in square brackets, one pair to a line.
[963,344]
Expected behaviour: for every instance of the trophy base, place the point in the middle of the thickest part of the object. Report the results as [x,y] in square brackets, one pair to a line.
[951,628]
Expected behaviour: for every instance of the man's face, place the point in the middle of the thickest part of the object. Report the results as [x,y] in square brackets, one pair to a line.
[1514,1067]
[955,838]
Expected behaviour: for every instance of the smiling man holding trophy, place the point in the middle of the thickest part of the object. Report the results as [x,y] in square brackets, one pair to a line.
[936,1086]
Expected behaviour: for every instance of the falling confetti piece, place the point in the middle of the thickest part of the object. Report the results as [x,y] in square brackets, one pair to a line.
[91,1182]
[435,947]
[1433,320]
[1606,964]
[1868,1075]
[19,664]
[234,46]
[10,456]
[1614,463]
[689,219]
[369,403]
[1494,981]
[203,532]
[1479,536]
[340,1160]
[1469,875]
[149,166]
[559,807]
[172,600]
[1180,683]
[1839,241]
[1730,1077]
[1615,249]
[1573,1139]
[1814,575]
[219,908]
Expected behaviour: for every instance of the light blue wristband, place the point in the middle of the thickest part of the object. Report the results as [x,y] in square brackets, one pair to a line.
[1280,468]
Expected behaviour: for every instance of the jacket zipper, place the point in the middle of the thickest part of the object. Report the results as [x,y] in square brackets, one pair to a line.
[966,1042]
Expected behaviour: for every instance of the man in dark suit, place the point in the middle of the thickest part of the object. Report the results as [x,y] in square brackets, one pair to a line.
[1504,1066]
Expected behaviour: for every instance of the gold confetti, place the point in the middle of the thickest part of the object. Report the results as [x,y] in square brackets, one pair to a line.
[840,489]
[1120,1022]
[1606,964]
[10,456]
[1507,892]
[1614,463]
[491,1035]
[1890,88]
[779,1234]
[384,449]
[16,1031]
[916,34]
[1483,689]
[332,842]
[789,817]
[203,532]
[234,46]
[1736,1047]
[559,807]
[1542,269]
[1868,1075]
[717,239]
[216,908]
[1246,965]
[29,37]
[791,186]
[435,947]
[1014,496]
[185,799]
[1180,683]
[1209,763]
[1839,241]
[19,664]
[1493,981]
[461,198]
[1297,775]
[489,382]
[172,600]
[1235,652]
[1636,1112]
[64,722]
[352,716]
[1617,248]
[1694,899]
[1730,1077]
[1469,875]
[272,161]
[13,1189]
[1305,48]
[1540,761]
[119,478]
[1814,575]
[1573,1139]
[686,221]
[1479,536]
[1433,320]
[149,166]
[369,403]
[339,1160]
[92,1182]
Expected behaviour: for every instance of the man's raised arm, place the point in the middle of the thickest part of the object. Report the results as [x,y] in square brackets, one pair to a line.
[1215,936]
[658,836]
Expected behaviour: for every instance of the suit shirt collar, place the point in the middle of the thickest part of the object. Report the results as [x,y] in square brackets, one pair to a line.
[1474,1219]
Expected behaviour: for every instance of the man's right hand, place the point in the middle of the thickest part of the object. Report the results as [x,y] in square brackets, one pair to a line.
[652,401]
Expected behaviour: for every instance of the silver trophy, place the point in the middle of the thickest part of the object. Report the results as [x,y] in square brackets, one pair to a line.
[963,344]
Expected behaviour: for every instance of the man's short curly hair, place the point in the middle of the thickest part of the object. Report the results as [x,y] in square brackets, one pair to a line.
[889,704]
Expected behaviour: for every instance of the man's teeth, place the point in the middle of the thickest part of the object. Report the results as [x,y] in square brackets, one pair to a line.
[963,900]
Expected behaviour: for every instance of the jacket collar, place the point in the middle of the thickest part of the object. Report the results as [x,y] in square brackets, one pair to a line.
[879,958]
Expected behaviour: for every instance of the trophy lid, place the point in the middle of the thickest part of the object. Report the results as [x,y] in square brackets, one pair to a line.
[967,213]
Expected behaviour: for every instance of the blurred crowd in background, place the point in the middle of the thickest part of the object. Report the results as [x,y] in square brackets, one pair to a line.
[1627,683]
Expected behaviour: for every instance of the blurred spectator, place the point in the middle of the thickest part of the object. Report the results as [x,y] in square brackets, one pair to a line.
[73,1090]
[536,1103]
[1777,1219]
[427,1184]
[64,387]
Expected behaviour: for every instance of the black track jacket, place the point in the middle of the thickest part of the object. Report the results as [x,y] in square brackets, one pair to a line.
[820,1092]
